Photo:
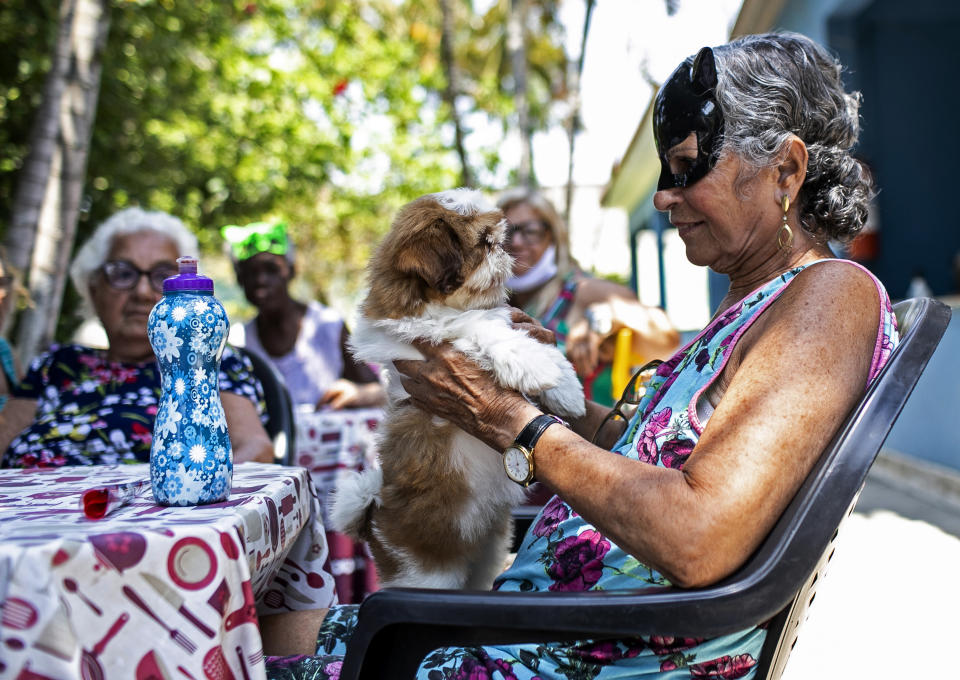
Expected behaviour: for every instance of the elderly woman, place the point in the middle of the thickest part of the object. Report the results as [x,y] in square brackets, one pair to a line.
[584,313]
[754,140]
[306,342]
[84,406]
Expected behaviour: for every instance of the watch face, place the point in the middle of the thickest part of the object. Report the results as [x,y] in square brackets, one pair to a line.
[516,465]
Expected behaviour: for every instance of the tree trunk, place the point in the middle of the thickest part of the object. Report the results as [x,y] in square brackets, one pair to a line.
[452,90]
[573,116]
[516,46]
[47,202]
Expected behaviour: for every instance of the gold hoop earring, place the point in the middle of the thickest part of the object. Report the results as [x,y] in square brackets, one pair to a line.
[785,234]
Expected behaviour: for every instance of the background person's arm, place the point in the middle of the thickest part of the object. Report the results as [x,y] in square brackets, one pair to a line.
[614,307]
[15,417]
[358,387]
[249,440]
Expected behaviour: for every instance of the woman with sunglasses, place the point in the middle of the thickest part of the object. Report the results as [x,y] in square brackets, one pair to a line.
[82,406]
[584,313]
[754,141]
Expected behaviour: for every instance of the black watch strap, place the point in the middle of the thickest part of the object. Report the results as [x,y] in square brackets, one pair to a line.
[531,433]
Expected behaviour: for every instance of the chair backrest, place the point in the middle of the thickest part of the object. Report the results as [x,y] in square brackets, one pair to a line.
[398,627]
[280,425]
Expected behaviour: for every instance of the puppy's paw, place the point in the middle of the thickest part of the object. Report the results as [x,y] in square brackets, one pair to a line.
[566,398]
[526,365]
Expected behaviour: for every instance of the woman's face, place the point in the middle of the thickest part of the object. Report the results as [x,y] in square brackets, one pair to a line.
[527,239]
[727,226]
[264,278]
[124,312]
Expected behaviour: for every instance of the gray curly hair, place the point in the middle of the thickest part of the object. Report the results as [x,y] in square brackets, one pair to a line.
[773,85]
[93,254]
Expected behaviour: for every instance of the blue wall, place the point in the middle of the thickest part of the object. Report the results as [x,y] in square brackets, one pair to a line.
[906,65]
[928,426]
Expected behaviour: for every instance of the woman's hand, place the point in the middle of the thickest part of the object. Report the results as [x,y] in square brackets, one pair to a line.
[348,394]
[583,348]
[449,385]
[526,323]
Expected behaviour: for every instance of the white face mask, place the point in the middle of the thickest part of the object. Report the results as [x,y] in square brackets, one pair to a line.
[544,270]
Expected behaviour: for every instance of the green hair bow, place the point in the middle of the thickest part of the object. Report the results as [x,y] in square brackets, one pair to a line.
[258,237]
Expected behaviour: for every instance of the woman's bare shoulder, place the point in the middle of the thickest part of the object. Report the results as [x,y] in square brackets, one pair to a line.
[831,306]
[832,287]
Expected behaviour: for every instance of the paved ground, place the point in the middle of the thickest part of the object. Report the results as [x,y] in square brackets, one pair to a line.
[889,608]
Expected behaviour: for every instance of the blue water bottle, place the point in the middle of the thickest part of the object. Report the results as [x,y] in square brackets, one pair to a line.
[191,461]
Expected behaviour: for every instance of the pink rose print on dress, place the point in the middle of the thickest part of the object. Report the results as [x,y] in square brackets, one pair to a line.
[471,669]
[674,452]
[654,427]
[606,652]
[703,356]
[333,670]
[724,668]
[578,562]
[661,645]
[554,512]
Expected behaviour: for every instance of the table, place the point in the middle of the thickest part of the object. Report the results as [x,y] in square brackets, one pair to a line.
[152,592]
[330,443]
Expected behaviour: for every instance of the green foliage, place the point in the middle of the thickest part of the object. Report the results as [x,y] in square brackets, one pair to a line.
[28,29]
[324,113]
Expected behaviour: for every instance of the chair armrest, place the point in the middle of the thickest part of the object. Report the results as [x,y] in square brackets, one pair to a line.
[397,628]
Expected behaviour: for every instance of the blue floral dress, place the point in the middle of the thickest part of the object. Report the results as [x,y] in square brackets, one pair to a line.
[562,552]
[93,411]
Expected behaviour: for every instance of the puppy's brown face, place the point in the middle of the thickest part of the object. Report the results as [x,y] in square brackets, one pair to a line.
[443,248]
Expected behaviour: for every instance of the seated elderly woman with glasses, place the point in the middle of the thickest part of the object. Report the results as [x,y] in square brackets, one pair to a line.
[83,406]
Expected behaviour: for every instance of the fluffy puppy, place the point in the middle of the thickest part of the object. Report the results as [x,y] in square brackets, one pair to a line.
[437,512]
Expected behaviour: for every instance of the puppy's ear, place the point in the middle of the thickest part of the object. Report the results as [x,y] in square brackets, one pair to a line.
[434,254]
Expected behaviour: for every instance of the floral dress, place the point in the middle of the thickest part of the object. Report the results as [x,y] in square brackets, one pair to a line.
[563,553]
[94,411]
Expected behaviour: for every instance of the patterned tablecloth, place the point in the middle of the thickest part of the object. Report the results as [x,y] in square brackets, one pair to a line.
[329,443]
[152,592]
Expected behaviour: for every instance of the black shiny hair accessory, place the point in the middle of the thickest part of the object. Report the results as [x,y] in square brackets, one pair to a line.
[687,103]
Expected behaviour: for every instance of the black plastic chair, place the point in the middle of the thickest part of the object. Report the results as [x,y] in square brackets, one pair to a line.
[397,628]
[280,425]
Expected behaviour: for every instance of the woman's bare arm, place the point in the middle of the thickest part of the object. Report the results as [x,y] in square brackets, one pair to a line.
[247,436]
[15,417]
[654,337]
[797,376]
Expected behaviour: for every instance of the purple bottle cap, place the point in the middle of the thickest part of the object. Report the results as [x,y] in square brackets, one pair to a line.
[188,278]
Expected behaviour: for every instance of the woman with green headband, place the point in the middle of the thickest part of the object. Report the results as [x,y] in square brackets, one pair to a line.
[305,341]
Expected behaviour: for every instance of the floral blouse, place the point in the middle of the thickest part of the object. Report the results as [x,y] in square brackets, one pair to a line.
[563,553]
[94,411]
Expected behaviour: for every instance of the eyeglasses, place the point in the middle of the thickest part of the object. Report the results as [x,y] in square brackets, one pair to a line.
[124,275]
[632,394]
[531,232]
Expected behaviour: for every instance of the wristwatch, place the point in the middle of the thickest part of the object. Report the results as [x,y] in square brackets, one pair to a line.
[518,457]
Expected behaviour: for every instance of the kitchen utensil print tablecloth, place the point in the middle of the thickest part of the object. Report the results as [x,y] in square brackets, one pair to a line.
[152,591]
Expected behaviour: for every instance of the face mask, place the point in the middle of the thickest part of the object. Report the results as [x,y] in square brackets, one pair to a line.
[686,103]
[544,270]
